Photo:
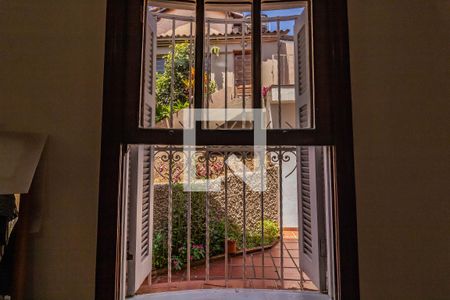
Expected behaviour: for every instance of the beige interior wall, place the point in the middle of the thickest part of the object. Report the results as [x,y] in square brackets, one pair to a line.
[51,72]
[51,56]
[400,73]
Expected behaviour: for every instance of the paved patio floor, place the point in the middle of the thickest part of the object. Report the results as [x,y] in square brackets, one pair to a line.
[261,272]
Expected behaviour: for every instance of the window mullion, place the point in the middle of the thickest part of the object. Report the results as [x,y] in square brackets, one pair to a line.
[256,57]
[199,44]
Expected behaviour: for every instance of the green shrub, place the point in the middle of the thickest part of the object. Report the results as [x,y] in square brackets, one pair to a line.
[180,79]
[198,232]
[253,238]
[271,231]
[159,250]
[179,231]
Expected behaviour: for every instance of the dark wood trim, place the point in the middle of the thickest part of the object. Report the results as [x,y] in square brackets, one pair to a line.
[322,81]
[256,57]
[107,275]
[228,137]
[199,44]
[121,118]
[323,56]
[345,209]
[134,15]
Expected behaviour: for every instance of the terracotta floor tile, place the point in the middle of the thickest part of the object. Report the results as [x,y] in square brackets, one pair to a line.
[291,245]
[287,262]
[253,271]
[308,285]
[237,284]
[258,261]
[294,253]
[306,277]
[156,288]
[197,274]
[291,273]
[264,284]
[178,279]
[217,270]
[214,284]
[190,285]
[238,260]
[236,272]
[277,253]
[289,285]
[250,272]
[160,279]
[268,272]
[258,284]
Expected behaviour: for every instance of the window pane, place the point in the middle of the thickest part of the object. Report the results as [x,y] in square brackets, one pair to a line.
[286,66]
[168,66]
[228,63]
[231,215]
[286,69]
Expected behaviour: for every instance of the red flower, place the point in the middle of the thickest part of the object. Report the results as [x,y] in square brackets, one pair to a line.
[265,91]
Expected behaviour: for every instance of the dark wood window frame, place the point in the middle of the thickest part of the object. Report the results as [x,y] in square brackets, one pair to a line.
[120,119]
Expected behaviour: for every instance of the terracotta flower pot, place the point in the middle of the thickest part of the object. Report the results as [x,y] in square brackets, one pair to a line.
[232,248]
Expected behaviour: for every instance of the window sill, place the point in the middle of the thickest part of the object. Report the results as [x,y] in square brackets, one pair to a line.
[224,294]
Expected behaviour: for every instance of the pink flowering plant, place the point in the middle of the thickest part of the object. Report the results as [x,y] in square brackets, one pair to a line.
[215,169]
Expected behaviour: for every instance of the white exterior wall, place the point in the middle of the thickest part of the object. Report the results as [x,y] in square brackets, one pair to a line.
[269,66]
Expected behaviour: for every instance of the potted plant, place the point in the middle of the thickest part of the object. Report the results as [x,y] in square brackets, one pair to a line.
[232,245]
[233,238]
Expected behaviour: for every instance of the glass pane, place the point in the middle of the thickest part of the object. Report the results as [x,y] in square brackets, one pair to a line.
[232,217]
[168,66]
[228,65]
[286,65]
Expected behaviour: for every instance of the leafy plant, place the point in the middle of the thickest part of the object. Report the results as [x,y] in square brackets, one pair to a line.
[271,234]
[271,231]
[159,250]
[198,232]
[234,232]
[217,237]
[215,50]
[253,238]
[179,230]
[181,82]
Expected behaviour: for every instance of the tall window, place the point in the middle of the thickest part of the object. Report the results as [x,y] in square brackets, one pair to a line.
[281,57]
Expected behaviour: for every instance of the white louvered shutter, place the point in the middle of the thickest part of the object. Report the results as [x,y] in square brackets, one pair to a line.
[302,68]
[148,102]
[310,171]
[311,198]
[140,217]
[141,179]
[125,193]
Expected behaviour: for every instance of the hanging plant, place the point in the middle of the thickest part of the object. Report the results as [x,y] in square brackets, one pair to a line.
[215,50]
